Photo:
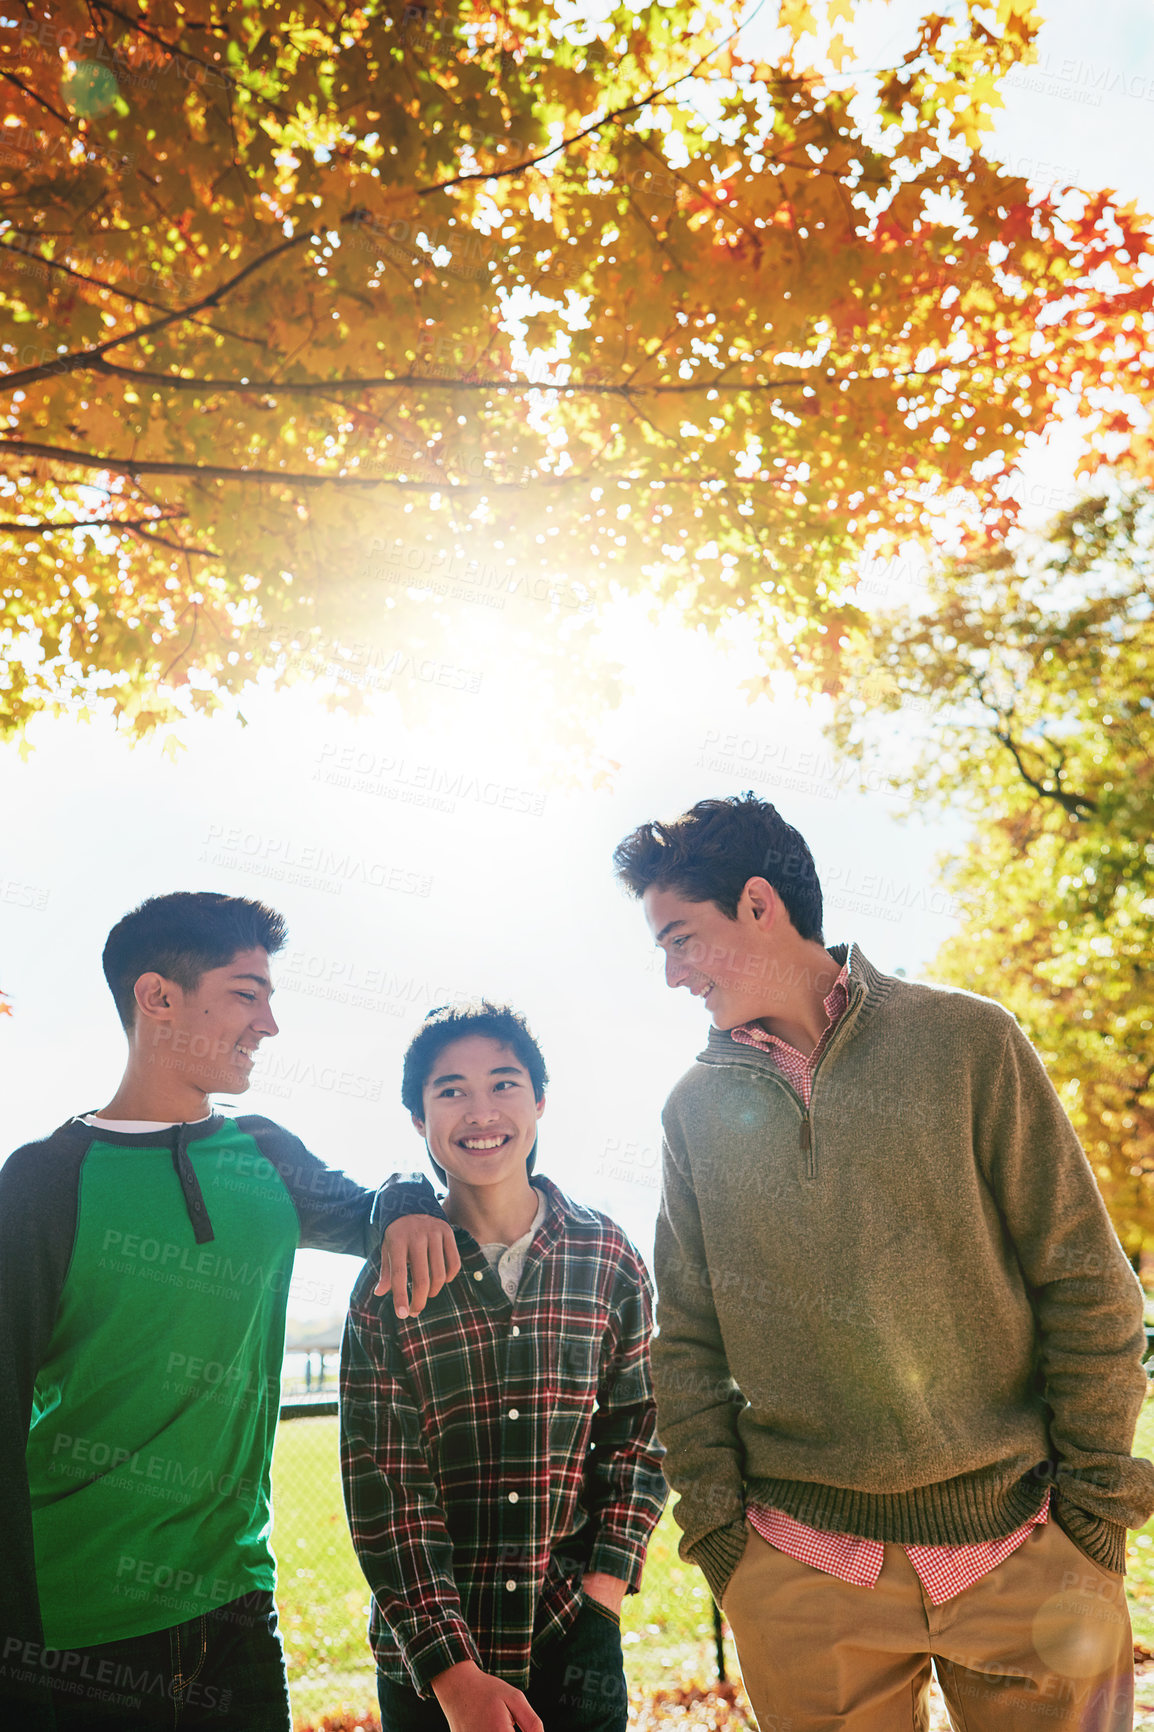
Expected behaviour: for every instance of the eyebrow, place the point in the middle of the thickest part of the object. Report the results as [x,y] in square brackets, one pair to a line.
[458,1076]
[667,929]
[260,979]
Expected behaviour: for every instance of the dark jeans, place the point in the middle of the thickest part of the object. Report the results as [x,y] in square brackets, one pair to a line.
[577,1684]
[223,1670]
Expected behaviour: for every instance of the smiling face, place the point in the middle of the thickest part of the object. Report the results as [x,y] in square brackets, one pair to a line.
[480,1117]
[726,963]
[209,1034]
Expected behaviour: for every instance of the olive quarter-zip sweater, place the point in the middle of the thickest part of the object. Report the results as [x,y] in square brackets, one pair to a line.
[903,1313]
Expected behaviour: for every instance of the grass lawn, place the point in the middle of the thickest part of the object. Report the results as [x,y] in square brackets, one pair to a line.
[321,1593]
[668,1626]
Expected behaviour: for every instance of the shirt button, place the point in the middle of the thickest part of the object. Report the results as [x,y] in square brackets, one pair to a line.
[514,1413]
[516,1331]
[512,1586]
[478,1274]
[514,1496]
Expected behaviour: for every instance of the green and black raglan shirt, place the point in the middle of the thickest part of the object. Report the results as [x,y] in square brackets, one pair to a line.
[143,1287]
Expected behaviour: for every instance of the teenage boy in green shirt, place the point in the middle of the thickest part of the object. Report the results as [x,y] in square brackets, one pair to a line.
[501,1471]
[145,1258]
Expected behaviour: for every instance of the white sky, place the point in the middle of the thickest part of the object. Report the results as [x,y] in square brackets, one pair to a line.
[415,903]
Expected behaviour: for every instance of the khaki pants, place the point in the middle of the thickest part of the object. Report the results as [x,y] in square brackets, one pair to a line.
[1043,1641]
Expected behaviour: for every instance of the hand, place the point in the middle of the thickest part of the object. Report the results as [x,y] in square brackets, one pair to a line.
[419,1250]
[475,1701]
[608,1591]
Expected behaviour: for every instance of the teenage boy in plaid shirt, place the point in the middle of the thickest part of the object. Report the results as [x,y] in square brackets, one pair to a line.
[500,1466]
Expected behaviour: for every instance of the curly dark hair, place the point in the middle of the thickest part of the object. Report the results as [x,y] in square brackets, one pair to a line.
[711,852]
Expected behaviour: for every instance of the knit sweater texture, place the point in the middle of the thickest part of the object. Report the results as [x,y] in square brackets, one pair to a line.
[901,1313]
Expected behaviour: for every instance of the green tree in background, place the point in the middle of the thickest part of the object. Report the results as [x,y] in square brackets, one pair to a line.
[1025,689]
[314,316]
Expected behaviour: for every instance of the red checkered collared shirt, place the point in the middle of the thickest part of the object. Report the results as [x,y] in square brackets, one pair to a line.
[943,1570]
[793,1064]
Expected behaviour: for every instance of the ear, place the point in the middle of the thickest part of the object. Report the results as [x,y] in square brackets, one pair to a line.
[761,900]
[540,1106]
[156,997]
[418,1124]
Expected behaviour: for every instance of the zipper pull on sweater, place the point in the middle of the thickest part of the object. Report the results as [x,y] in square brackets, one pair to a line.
[805,1136]
[190,1187]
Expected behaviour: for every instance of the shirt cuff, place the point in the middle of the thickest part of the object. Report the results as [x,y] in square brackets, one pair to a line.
[437,1648]
[404,1194]
[614,1557]
[717,1555]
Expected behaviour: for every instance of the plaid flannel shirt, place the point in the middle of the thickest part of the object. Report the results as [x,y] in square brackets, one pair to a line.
[494,1450]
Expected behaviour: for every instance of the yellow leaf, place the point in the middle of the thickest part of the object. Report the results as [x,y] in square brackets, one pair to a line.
[797,17]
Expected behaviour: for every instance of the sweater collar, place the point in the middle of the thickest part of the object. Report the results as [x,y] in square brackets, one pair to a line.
[868,988]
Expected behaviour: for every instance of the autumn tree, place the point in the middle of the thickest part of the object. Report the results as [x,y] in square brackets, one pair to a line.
[310,311]
[1024,692]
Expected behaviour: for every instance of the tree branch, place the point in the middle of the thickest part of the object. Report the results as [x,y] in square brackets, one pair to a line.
[398,381]
[163,541]
[84,358]
[222,472]
[594,126]
[1075,804]
[79,277]
[46,527]
[121,294]
[133,466]
[173,52]
[130,525]
[64,119]
[328,388]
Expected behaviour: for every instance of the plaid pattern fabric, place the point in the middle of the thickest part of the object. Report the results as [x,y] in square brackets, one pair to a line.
[942,1570]
[494,1450]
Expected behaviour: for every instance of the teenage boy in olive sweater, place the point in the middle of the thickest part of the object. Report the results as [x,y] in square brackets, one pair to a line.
[500,1467]
[898,1365]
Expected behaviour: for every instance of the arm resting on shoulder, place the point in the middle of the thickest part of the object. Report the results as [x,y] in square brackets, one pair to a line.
[418,1249]
[337,1214]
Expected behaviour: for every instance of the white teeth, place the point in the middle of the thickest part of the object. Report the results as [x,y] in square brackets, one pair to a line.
[482,1142]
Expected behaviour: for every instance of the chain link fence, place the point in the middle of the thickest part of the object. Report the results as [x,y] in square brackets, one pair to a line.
[322,1595]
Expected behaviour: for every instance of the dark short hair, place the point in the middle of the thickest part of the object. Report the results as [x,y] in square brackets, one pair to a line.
[450,1022]
[182,936]
[711,852]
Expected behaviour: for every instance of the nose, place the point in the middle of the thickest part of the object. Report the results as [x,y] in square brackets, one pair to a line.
[265,1024]
[677,972]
